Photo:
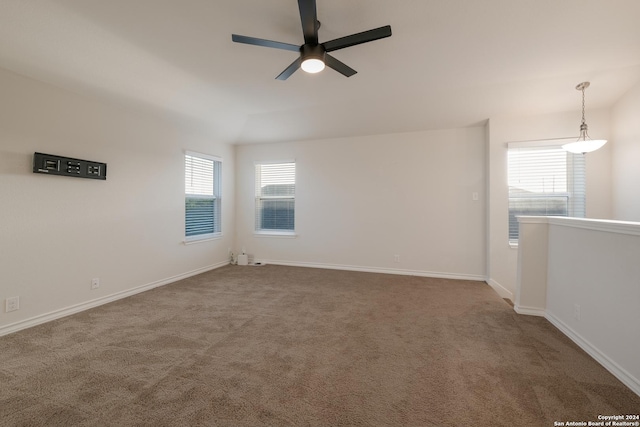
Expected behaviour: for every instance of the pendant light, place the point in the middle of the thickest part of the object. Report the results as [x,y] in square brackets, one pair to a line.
[584,144]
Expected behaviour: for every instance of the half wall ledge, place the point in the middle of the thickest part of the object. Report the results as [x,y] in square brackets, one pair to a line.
[583,275]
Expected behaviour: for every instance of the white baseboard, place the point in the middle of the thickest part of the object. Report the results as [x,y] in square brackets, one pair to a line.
[530,311]
[501,290]
[620,373]
[375,270]
[57,314]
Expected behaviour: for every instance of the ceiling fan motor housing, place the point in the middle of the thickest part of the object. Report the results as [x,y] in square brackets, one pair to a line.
[308,51]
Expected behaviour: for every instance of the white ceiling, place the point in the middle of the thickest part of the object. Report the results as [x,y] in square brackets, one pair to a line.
[449,63]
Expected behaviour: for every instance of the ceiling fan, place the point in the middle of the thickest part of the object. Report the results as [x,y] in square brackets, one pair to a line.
[313,55]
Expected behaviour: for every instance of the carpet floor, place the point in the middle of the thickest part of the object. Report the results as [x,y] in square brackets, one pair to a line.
[286,346]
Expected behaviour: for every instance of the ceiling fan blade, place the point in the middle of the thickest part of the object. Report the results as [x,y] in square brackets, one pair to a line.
[339,66]
[263,42]
[290,70]
[309,18]
[359,38]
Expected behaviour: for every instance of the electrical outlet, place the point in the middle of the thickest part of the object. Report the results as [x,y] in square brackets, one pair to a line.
[12,304]
[95,283]
[576,311]
[474,196]
[396,258]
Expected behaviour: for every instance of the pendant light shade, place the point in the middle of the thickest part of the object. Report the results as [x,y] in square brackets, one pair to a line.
[584,144]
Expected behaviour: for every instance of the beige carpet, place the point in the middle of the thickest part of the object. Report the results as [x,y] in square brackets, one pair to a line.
[278,346]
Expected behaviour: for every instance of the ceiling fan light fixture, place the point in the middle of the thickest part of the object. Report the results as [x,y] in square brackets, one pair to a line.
[584,144]
[312,58]
[312,65]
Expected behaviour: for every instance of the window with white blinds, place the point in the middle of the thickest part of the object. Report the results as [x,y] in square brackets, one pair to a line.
[275,197]
[202,196]
[544,180]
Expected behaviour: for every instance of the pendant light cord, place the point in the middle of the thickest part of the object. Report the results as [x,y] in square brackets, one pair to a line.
[583,121]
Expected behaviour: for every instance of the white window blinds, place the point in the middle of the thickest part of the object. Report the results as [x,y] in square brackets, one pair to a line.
[275,196]
[544,180]
[202,196]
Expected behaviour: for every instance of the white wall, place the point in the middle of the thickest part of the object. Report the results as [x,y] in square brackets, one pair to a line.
[595,265]
[502,268]
[408,194]
[582,275]
[625,124]
[57,233]
[360,201]
[531,280]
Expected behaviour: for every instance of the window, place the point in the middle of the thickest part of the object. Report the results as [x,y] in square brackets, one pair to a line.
[202,196]
[275,197]
[544,180]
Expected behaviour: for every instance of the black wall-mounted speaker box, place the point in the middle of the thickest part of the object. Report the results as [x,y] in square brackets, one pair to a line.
[66,166]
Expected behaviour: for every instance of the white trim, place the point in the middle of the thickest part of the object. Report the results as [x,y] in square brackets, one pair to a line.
[528,219]
[552,142]
[501,290]
[199,238]
[277,234]
[272,162]
[609,226]
[620,373]
[216,197]
[204,156]
[375,270]
[530,311]
[266,233]
[606,225]
[57,314]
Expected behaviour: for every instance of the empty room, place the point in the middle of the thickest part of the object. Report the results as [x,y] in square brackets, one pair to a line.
[319,213]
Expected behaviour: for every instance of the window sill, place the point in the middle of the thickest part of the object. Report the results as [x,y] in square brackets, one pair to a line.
[278,234]
[513,245]
[202,238]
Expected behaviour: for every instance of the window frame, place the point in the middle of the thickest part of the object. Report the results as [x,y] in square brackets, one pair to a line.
[575,193]
[216,196]
[266,232]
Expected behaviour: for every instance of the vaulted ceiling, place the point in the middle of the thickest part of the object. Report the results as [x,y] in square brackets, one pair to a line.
[449,63]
